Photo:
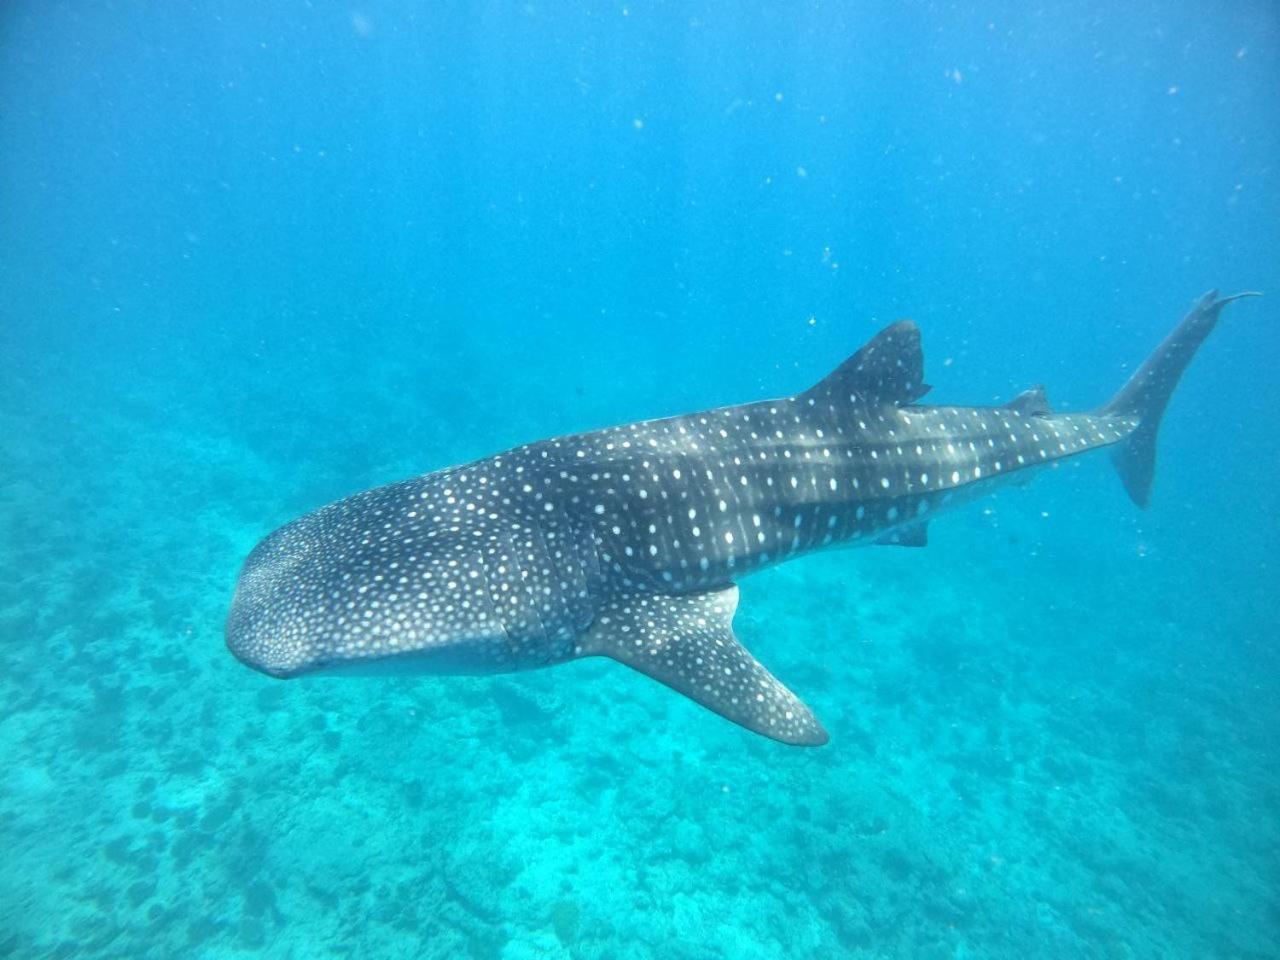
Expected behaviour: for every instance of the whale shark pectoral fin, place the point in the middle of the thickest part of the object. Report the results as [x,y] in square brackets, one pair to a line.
[686,641]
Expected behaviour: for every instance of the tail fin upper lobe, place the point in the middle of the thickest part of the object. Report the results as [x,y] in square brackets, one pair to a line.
[1147,393]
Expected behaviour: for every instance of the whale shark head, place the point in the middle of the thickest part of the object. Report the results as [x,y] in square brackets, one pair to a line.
[361,587]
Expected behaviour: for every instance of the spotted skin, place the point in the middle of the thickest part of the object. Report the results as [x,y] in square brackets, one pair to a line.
[686,642]
[626,542]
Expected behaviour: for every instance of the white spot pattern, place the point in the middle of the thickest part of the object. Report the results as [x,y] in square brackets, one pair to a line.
[513,560]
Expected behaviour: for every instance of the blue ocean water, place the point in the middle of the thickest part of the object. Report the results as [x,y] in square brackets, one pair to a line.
[261,256]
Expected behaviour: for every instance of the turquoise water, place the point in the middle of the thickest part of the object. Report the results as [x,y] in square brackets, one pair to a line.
[258,257]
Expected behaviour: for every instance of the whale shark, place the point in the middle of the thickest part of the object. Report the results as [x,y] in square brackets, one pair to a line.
[628,542]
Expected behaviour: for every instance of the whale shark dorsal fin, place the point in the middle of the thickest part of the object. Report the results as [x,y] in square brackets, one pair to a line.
[890,368]
[686,641]
[1032,402]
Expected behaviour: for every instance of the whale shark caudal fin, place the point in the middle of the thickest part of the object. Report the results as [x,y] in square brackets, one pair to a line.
[686,641]
[889,367]
[1147,393]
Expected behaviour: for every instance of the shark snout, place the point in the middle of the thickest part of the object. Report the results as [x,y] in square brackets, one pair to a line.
[259,640]
[321,596]
[271,626]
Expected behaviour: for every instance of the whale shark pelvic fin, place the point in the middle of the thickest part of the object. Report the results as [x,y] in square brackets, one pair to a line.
[912,535]
[686,641]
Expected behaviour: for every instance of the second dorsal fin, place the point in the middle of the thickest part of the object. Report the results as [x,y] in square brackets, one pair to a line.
[1031,402]
[889,368]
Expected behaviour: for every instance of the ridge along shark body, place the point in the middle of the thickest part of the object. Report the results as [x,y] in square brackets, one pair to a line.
[626,542]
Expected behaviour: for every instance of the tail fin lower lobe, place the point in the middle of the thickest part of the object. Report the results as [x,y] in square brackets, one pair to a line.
[1147,393]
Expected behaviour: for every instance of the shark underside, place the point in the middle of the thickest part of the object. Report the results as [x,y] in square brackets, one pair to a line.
[627,542]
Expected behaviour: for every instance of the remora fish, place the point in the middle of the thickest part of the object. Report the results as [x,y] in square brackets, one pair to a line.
[626,542]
